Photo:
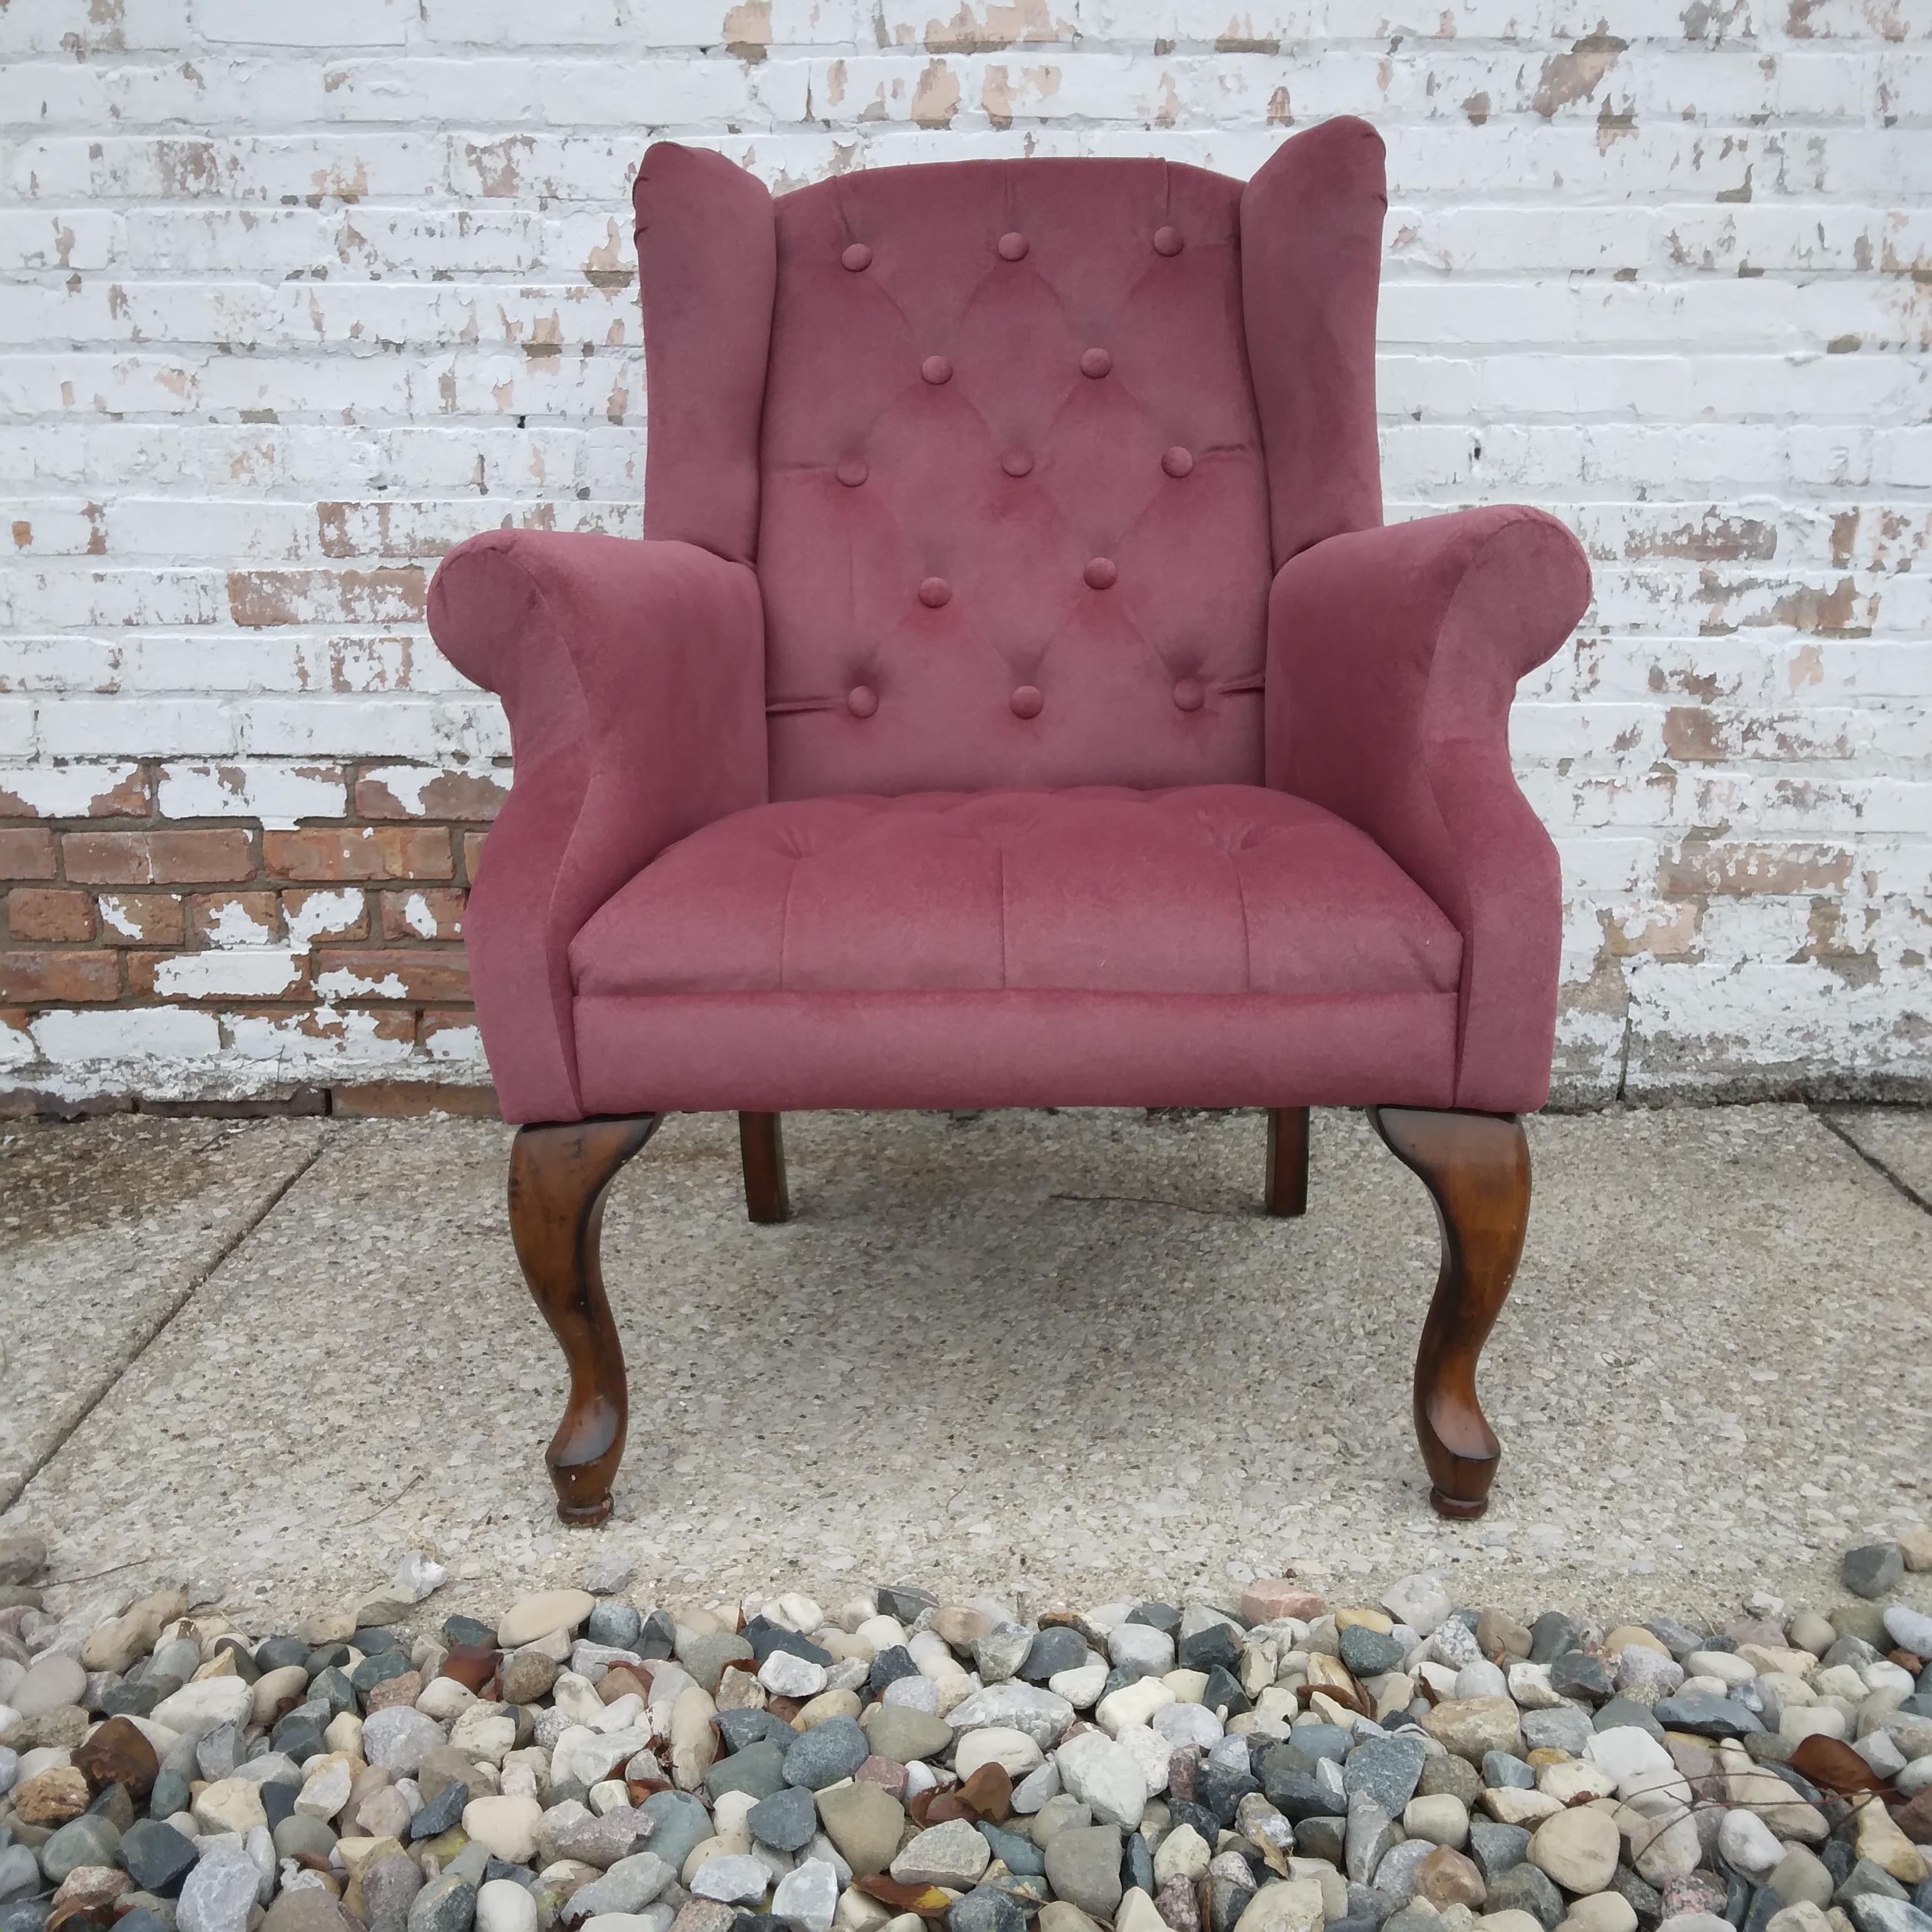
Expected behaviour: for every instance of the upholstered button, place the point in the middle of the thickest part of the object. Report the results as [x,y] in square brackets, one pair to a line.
[852,472]
[1095,362]
[1100,573]
[857,257]
[861,700]
[1177,461]
[1026,701]
[1188,695]
[1012,246]
[934,592]
[1167,241]
[1016,462]
[936,370]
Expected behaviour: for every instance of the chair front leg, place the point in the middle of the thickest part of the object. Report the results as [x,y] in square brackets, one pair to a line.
[1288,1161]
[1476,1166]
[559,1177]
[761,1143]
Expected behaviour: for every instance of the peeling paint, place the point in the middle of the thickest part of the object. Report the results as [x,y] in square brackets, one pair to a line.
[936,99]
[1574,76]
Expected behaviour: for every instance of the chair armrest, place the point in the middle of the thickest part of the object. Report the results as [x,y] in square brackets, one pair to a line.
[1394,655]
[633,673]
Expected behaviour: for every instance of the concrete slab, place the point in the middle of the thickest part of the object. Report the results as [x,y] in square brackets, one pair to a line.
[1052,1355]
[1898,1138]
[108,1224]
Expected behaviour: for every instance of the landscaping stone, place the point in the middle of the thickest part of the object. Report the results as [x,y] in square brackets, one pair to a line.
[1160,1767]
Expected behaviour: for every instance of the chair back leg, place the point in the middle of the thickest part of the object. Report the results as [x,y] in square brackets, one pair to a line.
[761,1142]
[1287,1160]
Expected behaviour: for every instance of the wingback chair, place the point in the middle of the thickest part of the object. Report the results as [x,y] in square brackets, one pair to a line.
[1016,700]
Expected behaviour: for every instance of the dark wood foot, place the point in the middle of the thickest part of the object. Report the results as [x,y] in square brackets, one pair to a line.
[761,1142]
[1477,1168]
[559,1176]
[1287,1160]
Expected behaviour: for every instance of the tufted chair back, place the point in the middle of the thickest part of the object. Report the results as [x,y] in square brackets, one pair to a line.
[1015,447]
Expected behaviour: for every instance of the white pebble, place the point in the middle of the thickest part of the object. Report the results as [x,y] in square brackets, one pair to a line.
[788,1675]
[504,1905]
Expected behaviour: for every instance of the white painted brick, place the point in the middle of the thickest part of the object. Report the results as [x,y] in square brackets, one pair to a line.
[280,795]
[81,727]
[232,973]
[357,23]
[170,1042]
[323,914]
[68,788]
[336,1042]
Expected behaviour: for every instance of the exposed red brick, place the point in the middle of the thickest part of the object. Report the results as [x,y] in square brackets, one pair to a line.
[1691,735]
[158,858]
[394,1100]
[39,912]
[157,918]
[1714,538]
[297,1102]
[472,853]
[1743,869]
[295,904]
[390,1023]
[132,798]
[1662,932]
[443,1020]
[443,904]
[460,795]
[26,852]
[31,1103]
[258,599]
[402,974]
[39,979]
[261,909]
[358,852]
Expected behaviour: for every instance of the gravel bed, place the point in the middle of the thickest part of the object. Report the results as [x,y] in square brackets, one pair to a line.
[578,1760]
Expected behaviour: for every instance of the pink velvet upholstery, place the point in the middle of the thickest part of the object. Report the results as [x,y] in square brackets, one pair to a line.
[1017,699]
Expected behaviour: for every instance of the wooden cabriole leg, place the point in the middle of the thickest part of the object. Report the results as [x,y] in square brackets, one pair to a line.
[1477,1168]
[1287,1160]
[559,1176]
[761,1142]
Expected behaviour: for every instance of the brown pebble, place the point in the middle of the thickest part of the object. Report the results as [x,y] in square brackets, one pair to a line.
[960,1627]
[1270,1598]
[1499,1636]
[118,1753]
[621,1681]
[56,1797]
[86,1897]
[1447,1878]
[1915,1819]
[405,1689]
[475,1665]
[528,1675]
[886,1773]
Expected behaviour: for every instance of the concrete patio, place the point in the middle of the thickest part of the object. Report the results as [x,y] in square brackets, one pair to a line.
[1051,1355]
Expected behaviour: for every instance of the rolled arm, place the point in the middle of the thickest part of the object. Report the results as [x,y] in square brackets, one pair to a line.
[1393,655]
[633,676]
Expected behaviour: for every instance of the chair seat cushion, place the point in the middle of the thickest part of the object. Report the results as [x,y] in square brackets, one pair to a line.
[1207,889]
[1218,945]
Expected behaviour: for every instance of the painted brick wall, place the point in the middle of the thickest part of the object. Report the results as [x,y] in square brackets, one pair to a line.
[298,295]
